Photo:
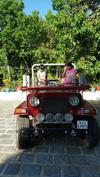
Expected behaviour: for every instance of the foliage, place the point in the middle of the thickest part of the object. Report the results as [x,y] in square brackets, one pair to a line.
[71,34]
[78,25]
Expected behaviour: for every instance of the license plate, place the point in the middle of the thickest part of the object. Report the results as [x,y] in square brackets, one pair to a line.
[82,124]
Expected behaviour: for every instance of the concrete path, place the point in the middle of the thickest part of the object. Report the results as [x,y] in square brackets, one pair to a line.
[54,157]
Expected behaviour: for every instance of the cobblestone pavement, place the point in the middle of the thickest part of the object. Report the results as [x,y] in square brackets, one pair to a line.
[55,157]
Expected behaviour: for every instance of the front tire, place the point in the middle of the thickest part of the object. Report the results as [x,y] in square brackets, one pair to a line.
[93,137]
[23,133]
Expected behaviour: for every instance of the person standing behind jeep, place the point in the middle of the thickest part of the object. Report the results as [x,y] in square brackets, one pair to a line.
[69,74]
[41,75]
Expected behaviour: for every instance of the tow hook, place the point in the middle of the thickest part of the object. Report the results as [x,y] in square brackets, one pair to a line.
[36,133]
[73,133]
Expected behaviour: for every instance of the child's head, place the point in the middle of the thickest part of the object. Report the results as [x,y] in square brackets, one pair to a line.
[68,65]
[41,66]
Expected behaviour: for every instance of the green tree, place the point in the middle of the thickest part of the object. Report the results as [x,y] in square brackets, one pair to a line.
[78,33]
[71,34]
[9,11]
[20,35]
[28,36]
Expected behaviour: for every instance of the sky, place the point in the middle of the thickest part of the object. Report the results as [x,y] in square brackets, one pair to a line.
[40,5]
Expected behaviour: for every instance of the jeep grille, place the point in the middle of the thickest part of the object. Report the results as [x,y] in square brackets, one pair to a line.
[54,105]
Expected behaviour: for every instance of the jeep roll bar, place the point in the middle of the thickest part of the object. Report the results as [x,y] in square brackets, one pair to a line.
[47,64]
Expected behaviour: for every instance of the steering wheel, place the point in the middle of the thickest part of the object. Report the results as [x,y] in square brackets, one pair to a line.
[53,82]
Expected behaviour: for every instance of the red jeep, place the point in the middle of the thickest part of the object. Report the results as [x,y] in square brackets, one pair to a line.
[54,109]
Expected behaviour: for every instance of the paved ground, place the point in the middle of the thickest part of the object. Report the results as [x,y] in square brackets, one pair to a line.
[60,157]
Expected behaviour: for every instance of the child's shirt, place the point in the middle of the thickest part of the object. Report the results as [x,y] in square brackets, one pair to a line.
[70,76]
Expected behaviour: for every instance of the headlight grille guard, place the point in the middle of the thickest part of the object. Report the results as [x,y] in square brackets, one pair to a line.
[33,100]
[75,100]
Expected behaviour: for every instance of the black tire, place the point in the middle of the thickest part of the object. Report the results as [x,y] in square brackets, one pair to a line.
[23,133]
[93,137]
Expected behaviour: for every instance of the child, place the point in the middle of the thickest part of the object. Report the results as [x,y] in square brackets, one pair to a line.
[41,75]
[69,74]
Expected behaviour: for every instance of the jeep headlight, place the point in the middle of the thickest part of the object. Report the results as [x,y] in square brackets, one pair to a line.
[58,117]
[68,117]
[49,117]
[40,117]
[74,100]
[34,101]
